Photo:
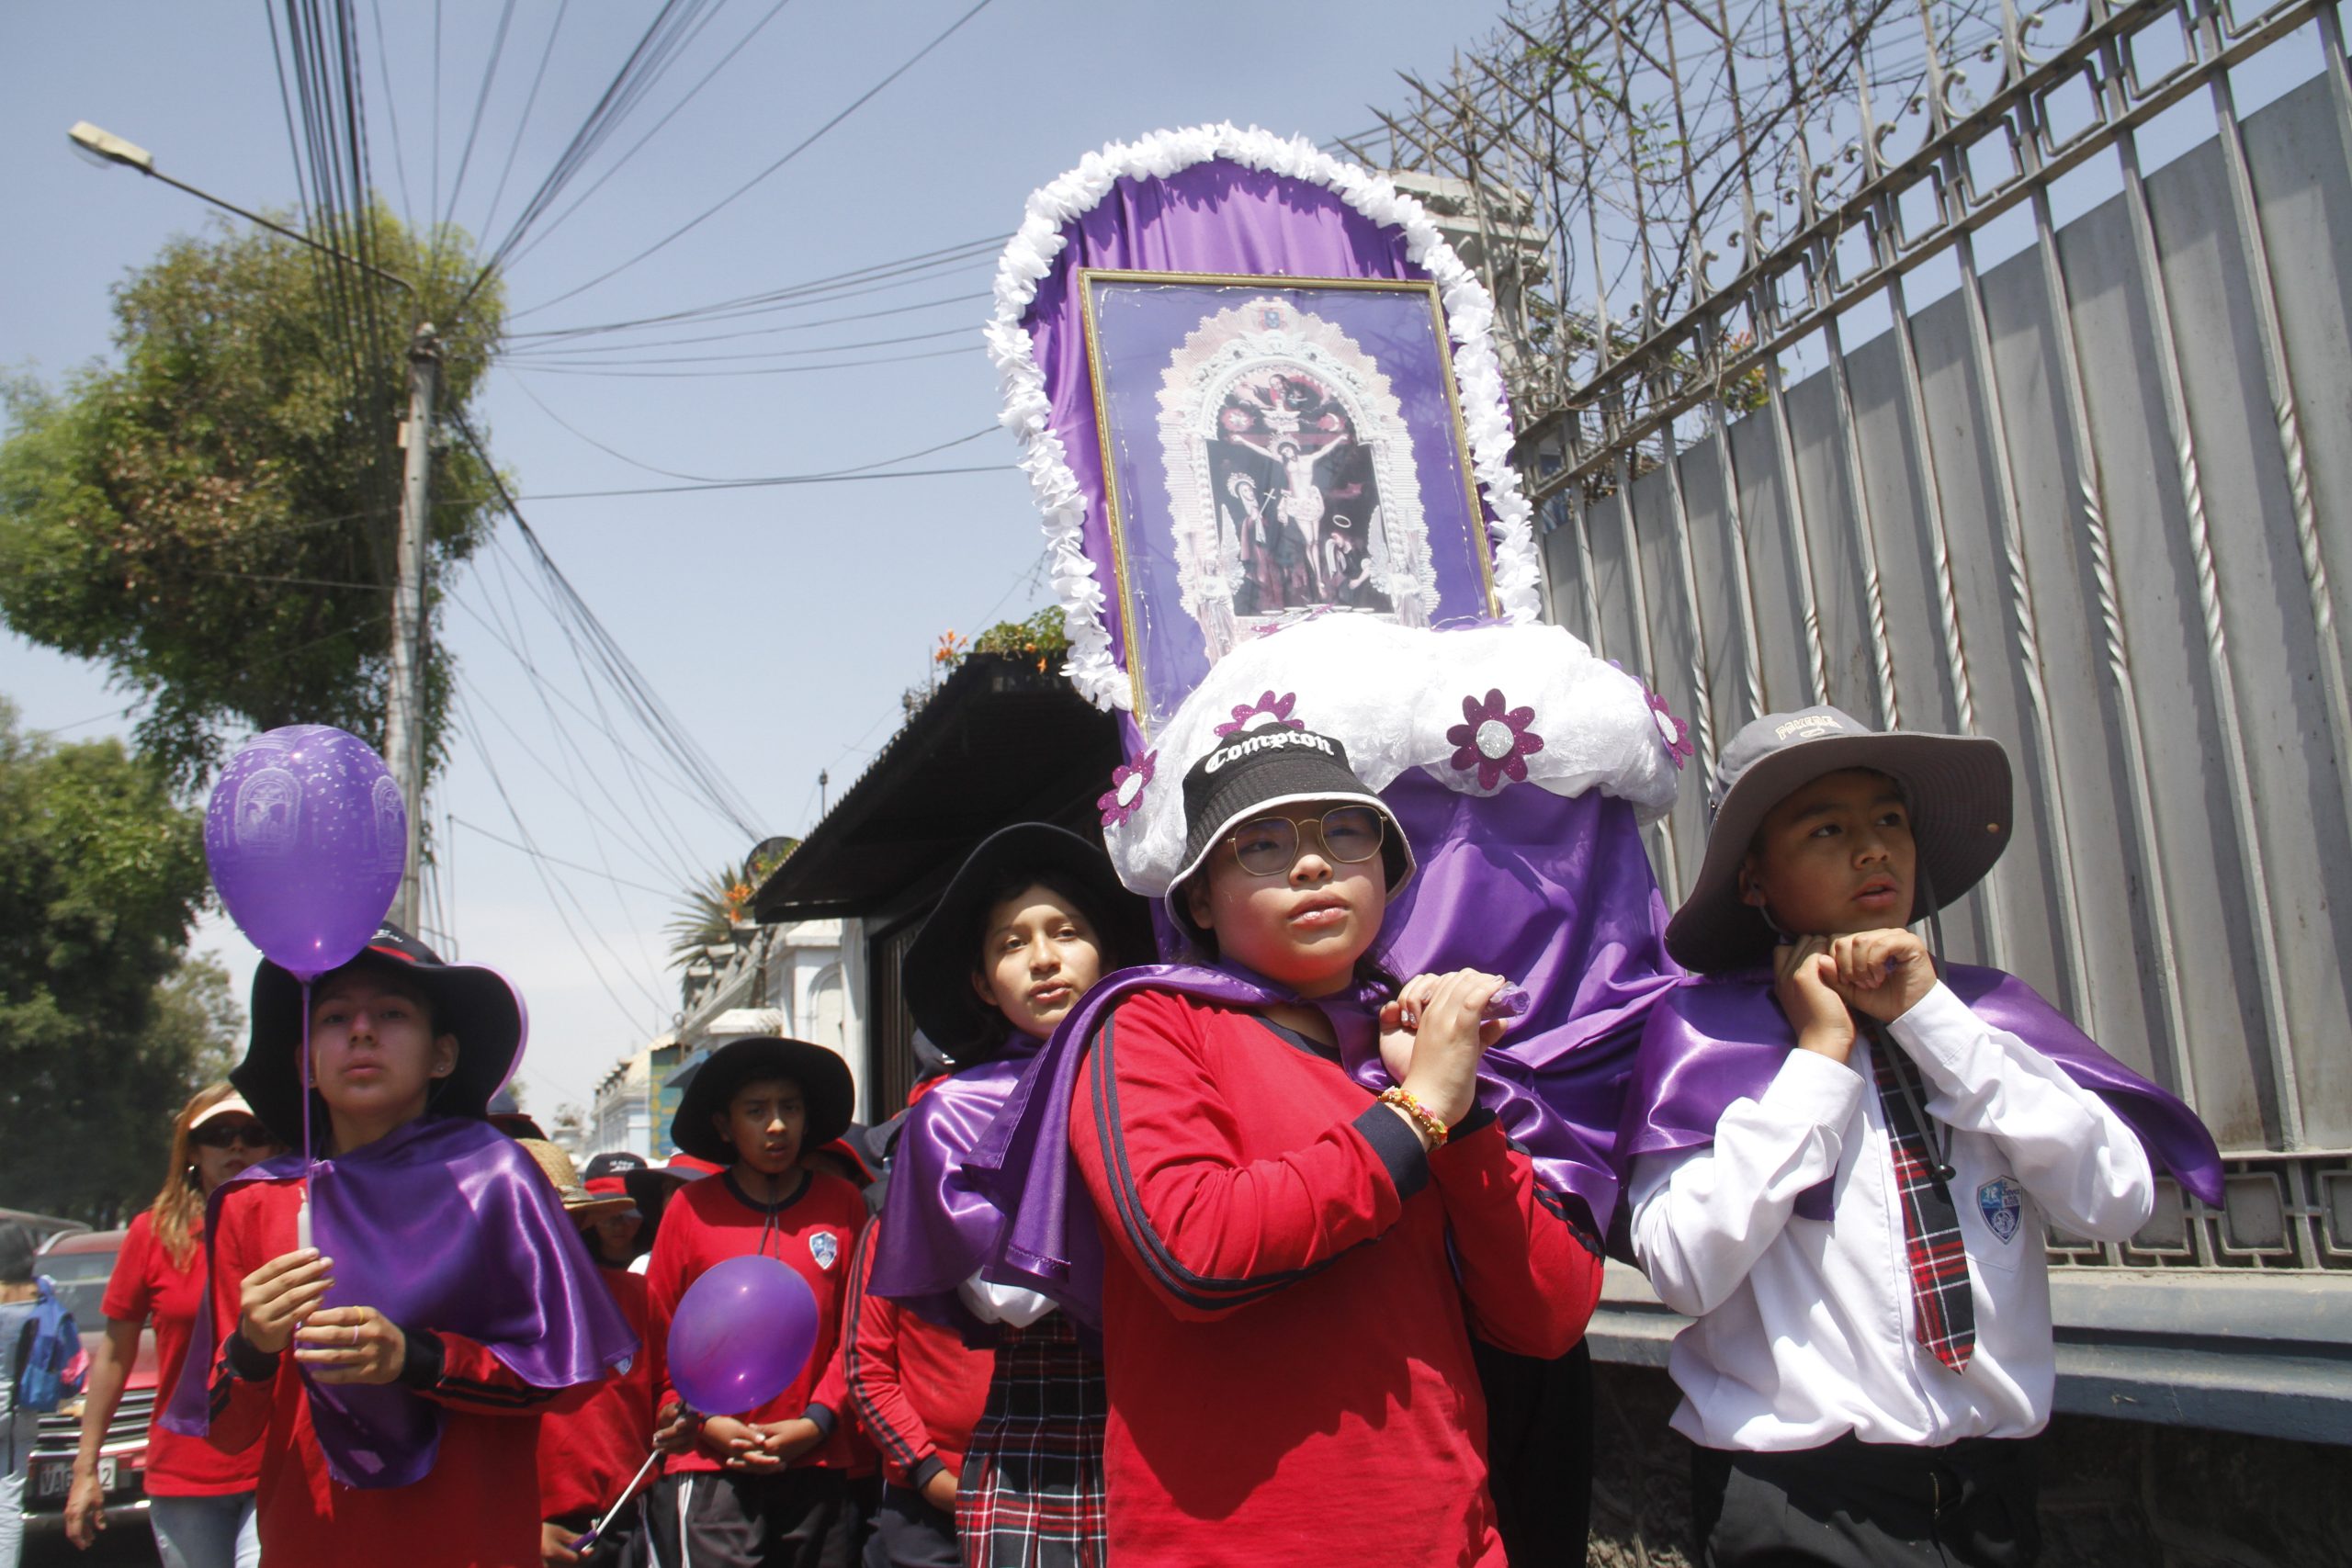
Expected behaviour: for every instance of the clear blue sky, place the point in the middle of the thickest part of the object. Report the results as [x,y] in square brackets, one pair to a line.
[781,625]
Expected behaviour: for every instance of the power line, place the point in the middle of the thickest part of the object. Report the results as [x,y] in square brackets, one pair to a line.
[626,679]
[675,24]
[750,304]
[618,163]
[788,480]
[530,102]
[805,143]
[551,883]
[557,859]
[766,370]
[715,479]
[473,130]
[547,360]
[739,333]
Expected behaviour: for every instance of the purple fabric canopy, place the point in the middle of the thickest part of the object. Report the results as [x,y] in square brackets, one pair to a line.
[1714,1041]
[445,1224]
[937,1232]
[1214,217]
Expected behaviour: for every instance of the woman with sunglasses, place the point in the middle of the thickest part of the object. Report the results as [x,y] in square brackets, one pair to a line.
[200,1501]
[1294,1263]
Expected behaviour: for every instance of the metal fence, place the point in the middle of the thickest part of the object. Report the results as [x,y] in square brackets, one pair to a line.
[2093,498]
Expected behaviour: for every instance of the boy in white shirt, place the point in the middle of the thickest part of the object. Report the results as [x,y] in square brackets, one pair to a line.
[1840,1162]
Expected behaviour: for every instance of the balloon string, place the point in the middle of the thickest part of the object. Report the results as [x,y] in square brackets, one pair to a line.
[305,1075]
[583,1542]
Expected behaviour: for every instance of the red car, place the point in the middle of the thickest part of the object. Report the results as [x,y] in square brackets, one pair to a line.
[79,1262]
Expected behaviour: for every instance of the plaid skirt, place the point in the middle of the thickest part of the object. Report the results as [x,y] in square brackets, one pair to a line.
[1031,1494]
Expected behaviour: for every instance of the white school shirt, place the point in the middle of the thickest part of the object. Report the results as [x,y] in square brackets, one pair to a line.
[1804,1328]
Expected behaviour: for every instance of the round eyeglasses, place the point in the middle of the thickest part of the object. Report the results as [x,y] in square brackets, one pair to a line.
[1269,846]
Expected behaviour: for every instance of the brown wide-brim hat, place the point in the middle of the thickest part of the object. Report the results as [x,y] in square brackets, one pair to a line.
[1956,788]
[579,1205]
[826,1088]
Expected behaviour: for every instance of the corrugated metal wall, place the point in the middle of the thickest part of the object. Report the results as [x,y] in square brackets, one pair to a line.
[2062,504]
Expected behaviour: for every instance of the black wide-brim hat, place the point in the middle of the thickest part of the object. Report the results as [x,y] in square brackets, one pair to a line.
[1956,790]
[935,977]
[476,1004]
[1258,771]
[826,1089]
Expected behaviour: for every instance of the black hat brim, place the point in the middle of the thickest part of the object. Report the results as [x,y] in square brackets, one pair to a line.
[476,1004]
[935,977]
[827,1090]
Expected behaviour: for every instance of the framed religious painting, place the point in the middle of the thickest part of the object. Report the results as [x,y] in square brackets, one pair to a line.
[1273,448]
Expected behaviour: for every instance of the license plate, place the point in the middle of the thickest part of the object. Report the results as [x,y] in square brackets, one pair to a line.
[56,1477]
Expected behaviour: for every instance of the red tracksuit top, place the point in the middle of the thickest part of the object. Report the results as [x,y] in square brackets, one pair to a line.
[146,1282]
[1289,1294]
[917,1388]
[478,1505]
[815,1233]
[587,1455]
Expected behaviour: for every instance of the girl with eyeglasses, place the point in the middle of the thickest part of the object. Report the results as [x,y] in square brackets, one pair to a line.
[1290,1265]
[200,1501]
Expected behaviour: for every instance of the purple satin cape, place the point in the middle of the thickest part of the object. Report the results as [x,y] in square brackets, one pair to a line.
[1717,1040]
[448,1224]
[1555,893]
[937,1231]
[1048,1241]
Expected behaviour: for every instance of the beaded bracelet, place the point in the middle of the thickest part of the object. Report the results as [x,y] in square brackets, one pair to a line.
[1423,1117]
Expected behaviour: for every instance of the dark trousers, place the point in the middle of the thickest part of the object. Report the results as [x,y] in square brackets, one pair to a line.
[910,1533]
[1539,1452]
[792,1518]
[1856,1505]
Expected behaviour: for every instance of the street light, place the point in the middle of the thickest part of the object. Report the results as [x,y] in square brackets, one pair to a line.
[105,146]
[404,705]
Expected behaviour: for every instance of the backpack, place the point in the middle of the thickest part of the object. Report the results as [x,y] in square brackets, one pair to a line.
[50,1363]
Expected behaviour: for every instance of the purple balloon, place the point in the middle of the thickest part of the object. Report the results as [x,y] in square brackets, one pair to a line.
[741,1333]
[306,834]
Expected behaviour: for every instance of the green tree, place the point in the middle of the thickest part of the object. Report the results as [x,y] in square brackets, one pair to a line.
[103,1030]
[213,517]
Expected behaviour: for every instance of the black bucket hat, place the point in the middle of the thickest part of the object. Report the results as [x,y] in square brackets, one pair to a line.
[473,1003]
[1956,788]
[1251,774]
[826,1088]
[936,973]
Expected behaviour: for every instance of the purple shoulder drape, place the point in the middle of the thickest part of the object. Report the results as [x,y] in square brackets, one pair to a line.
[1716,1040]
[445,1224]
[1555,894]
[937,1230]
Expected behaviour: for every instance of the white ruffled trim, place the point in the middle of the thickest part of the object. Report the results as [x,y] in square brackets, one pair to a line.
[1031,256]
[1389,693]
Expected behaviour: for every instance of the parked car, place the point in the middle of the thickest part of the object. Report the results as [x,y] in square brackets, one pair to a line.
[78,1263]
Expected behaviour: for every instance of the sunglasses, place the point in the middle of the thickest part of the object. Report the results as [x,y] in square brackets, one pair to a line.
[1269,846]
[219,1135]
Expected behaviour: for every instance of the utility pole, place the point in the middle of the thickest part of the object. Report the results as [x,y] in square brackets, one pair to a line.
[404,701]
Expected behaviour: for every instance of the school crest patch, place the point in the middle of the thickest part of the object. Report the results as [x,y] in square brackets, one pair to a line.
[2002,1201]
[824,1246]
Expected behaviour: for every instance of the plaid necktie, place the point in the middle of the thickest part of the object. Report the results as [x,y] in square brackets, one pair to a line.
[1945,1321]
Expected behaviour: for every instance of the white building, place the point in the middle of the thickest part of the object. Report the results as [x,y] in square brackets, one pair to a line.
[784,979]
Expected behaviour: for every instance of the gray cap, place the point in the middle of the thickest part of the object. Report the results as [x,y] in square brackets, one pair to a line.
[1956,788]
